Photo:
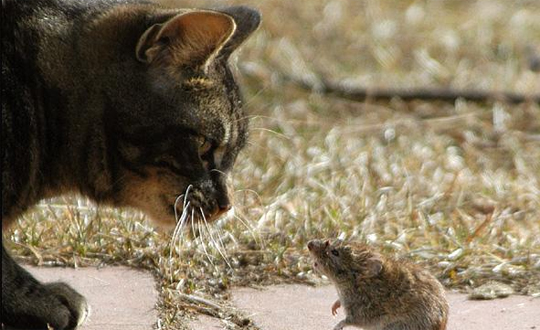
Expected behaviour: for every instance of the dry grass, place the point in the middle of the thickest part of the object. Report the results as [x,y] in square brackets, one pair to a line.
[455,187]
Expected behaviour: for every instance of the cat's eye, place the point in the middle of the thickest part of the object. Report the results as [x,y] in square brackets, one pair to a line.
[204,145]
[335,252]
[167,162]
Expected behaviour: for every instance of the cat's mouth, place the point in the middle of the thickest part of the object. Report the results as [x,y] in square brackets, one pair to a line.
[193,211]
[196,215]
[198,205]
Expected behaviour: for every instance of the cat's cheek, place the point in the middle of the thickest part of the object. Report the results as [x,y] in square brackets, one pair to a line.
[153,195]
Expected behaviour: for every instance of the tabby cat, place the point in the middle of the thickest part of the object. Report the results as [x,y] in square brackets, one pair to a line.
[122,101]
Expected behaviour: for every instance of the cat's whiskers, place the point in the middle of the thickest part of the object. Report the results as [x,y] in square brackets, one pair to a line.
[259,198]
[203,244]
[176,209]
[253,144]
[251,117]
[180,221]
[267,130]
[200,229]
[254,96]
[177,225]
[185,220]
[221,233]
[179,228]
[187,193]
[216,245]
[257,145]
[226,175]
[239,119]
[185,204]
[250,229]
[192,225]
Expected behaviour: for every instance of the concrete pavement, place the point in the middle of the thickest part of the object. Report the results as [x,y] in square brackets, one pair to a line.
[124,299]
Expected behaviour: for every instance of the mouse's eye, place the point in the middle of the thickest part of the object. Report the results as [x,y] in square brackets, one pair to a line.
[335,252]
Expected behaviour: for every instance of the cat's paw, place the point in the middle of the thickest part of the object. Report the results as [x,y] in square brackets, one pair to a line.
[72,304]
[45,306]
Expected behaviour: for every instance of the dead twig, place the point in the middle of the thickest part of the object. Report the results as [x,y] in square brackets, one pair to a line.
[199,300]
[322,85]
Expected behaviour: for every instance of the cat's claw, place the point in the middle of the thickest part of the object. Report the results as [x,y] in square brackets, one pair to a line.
[77,308]
[48,306]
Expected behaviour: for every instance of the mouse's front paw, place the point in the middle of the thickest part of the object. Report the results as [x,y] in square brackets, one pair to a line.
[340,325]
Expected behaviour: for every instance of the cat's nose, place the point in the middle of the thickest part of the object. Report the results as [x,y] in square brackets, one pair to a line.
[224,207]
[224,204]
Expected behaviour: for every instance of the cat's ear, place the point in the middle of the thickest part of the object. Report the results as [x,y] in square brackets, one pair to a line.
[247,21]
[192,38]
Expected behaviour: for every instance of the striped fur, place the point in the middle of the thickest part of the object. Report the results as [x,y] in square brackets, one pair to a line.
[83,112]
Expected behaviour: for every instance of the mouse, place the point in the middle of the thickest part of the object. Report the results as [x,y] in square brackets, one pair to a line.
[379,292]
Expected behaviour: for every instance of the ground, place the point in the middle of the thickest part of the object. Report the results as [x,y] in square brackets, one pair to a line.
[455,187]
[131,295]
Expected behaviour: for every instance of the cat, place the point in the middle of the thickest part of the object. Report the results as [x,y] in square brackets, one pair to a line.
[122,101]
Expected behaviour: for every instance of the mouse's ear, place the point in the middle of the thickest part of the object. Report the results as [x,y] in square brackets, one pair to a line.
[373,266]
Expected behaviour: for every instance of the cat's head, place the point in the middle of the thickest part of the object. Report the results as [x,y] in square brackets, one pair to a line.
[180,133]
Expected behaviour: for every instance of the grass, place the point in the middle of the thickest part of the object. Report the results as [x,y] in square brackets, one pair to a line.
[455,187]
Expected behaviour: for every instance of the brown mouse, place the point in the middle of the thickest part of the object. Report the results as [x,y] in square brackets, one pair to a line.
[377,292]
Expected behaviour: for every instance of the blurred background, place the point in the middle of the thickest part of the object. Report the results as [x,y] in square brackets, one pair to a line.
[454,186]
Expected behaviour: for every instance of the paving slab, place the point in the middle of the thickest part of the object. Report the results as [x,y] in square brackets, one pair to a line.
[204,322]
[288,307]
[120,298]
[124,299]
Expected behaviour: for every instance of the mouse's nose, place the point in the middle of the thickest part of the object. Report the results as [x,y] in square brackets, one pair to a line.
[310,245]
